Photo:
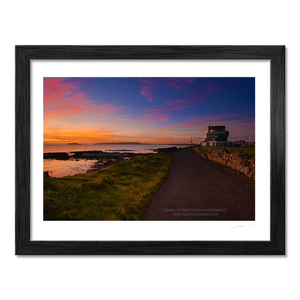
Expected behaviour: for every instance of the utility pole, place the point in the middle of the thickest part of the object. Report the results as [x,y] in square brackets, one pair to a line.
[191,141]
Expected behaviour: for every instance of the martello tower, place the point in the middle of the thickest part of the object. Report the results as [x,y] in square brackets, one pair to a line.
[217,133]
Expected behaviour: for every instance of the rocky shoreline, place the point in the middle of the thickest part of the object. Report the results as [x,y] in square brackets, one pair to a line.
[104,159]
[87,155]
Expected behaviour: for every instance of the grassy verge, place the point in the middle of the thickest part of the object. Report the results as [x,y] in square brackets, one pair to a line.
[120,192]
[249,150]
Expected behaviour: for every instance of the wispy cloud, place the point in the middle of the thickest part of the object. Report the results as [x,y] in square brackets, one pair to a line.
[201,93]
[200,118]
[156,116]
[148,87]
[196,126]
[179,82]
[68,112]
[66,99]
[89,110]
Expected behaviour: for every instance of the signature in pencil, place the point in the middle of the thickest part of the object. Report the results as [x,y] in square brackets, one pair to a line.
[236,226]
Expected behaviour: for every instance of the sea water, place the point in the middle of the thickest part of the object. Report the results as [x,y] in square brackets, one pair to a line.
[70,167]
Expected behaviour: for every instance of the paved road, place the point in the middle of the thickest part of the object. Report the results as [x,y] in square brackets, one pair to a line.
[200,189]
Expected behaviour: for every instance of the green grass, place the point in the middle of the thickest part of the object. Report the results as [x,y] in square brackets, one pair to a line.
[120,192]
[249,150]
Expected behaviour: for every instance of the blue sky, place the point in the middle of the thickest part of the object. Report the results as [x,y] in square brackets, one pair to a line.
[149,110]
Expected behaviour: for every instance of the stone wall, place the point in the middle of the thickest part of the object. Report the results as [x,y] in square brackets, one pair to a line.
[233,159]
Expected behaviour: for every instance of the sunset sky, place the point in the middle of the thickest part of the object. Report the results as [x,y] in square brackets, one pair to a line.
[146,110]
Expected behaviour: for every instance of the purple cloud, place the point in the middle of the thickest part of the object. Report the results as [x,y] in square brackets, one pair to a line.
[148,88]
[174,105]
[200,119]
[179,82]
[154,116]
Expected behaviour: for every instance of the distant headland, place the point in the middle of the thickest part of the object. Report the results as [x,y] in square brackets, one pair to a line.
[121,143]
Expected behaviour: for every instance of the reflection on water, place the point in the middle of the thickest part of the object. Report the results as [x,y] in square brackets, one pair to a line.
[61,168]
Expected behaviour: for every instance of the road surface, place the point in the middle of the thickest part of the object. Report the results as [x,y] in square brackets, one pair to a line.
[200,189]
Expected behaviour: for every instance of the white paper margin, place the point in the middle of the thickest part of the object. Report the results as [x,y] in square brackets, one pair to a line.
[154,230]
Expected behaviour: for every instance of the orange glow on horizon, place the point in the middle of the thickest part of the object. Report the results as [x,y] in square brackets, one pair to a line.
[49,139]
[145,110]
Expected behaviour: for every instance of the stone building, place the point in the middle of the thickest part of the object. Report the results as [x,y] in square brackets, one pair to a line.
[217,133]
[217,136]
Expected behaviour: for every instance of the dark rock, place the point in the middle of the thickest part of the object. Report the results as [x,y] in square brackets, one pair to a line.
[57,155]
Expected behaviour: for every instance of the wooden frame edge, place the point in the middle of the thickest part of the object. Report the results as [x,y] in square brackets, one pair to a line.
[24,246]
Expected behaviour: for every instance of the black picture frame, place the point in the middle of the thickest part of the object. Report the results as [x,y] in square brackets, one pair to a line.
[25,246]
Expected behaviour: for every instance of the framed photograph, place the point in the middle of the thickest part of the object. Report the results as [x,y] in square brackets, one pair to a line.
[183,147]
